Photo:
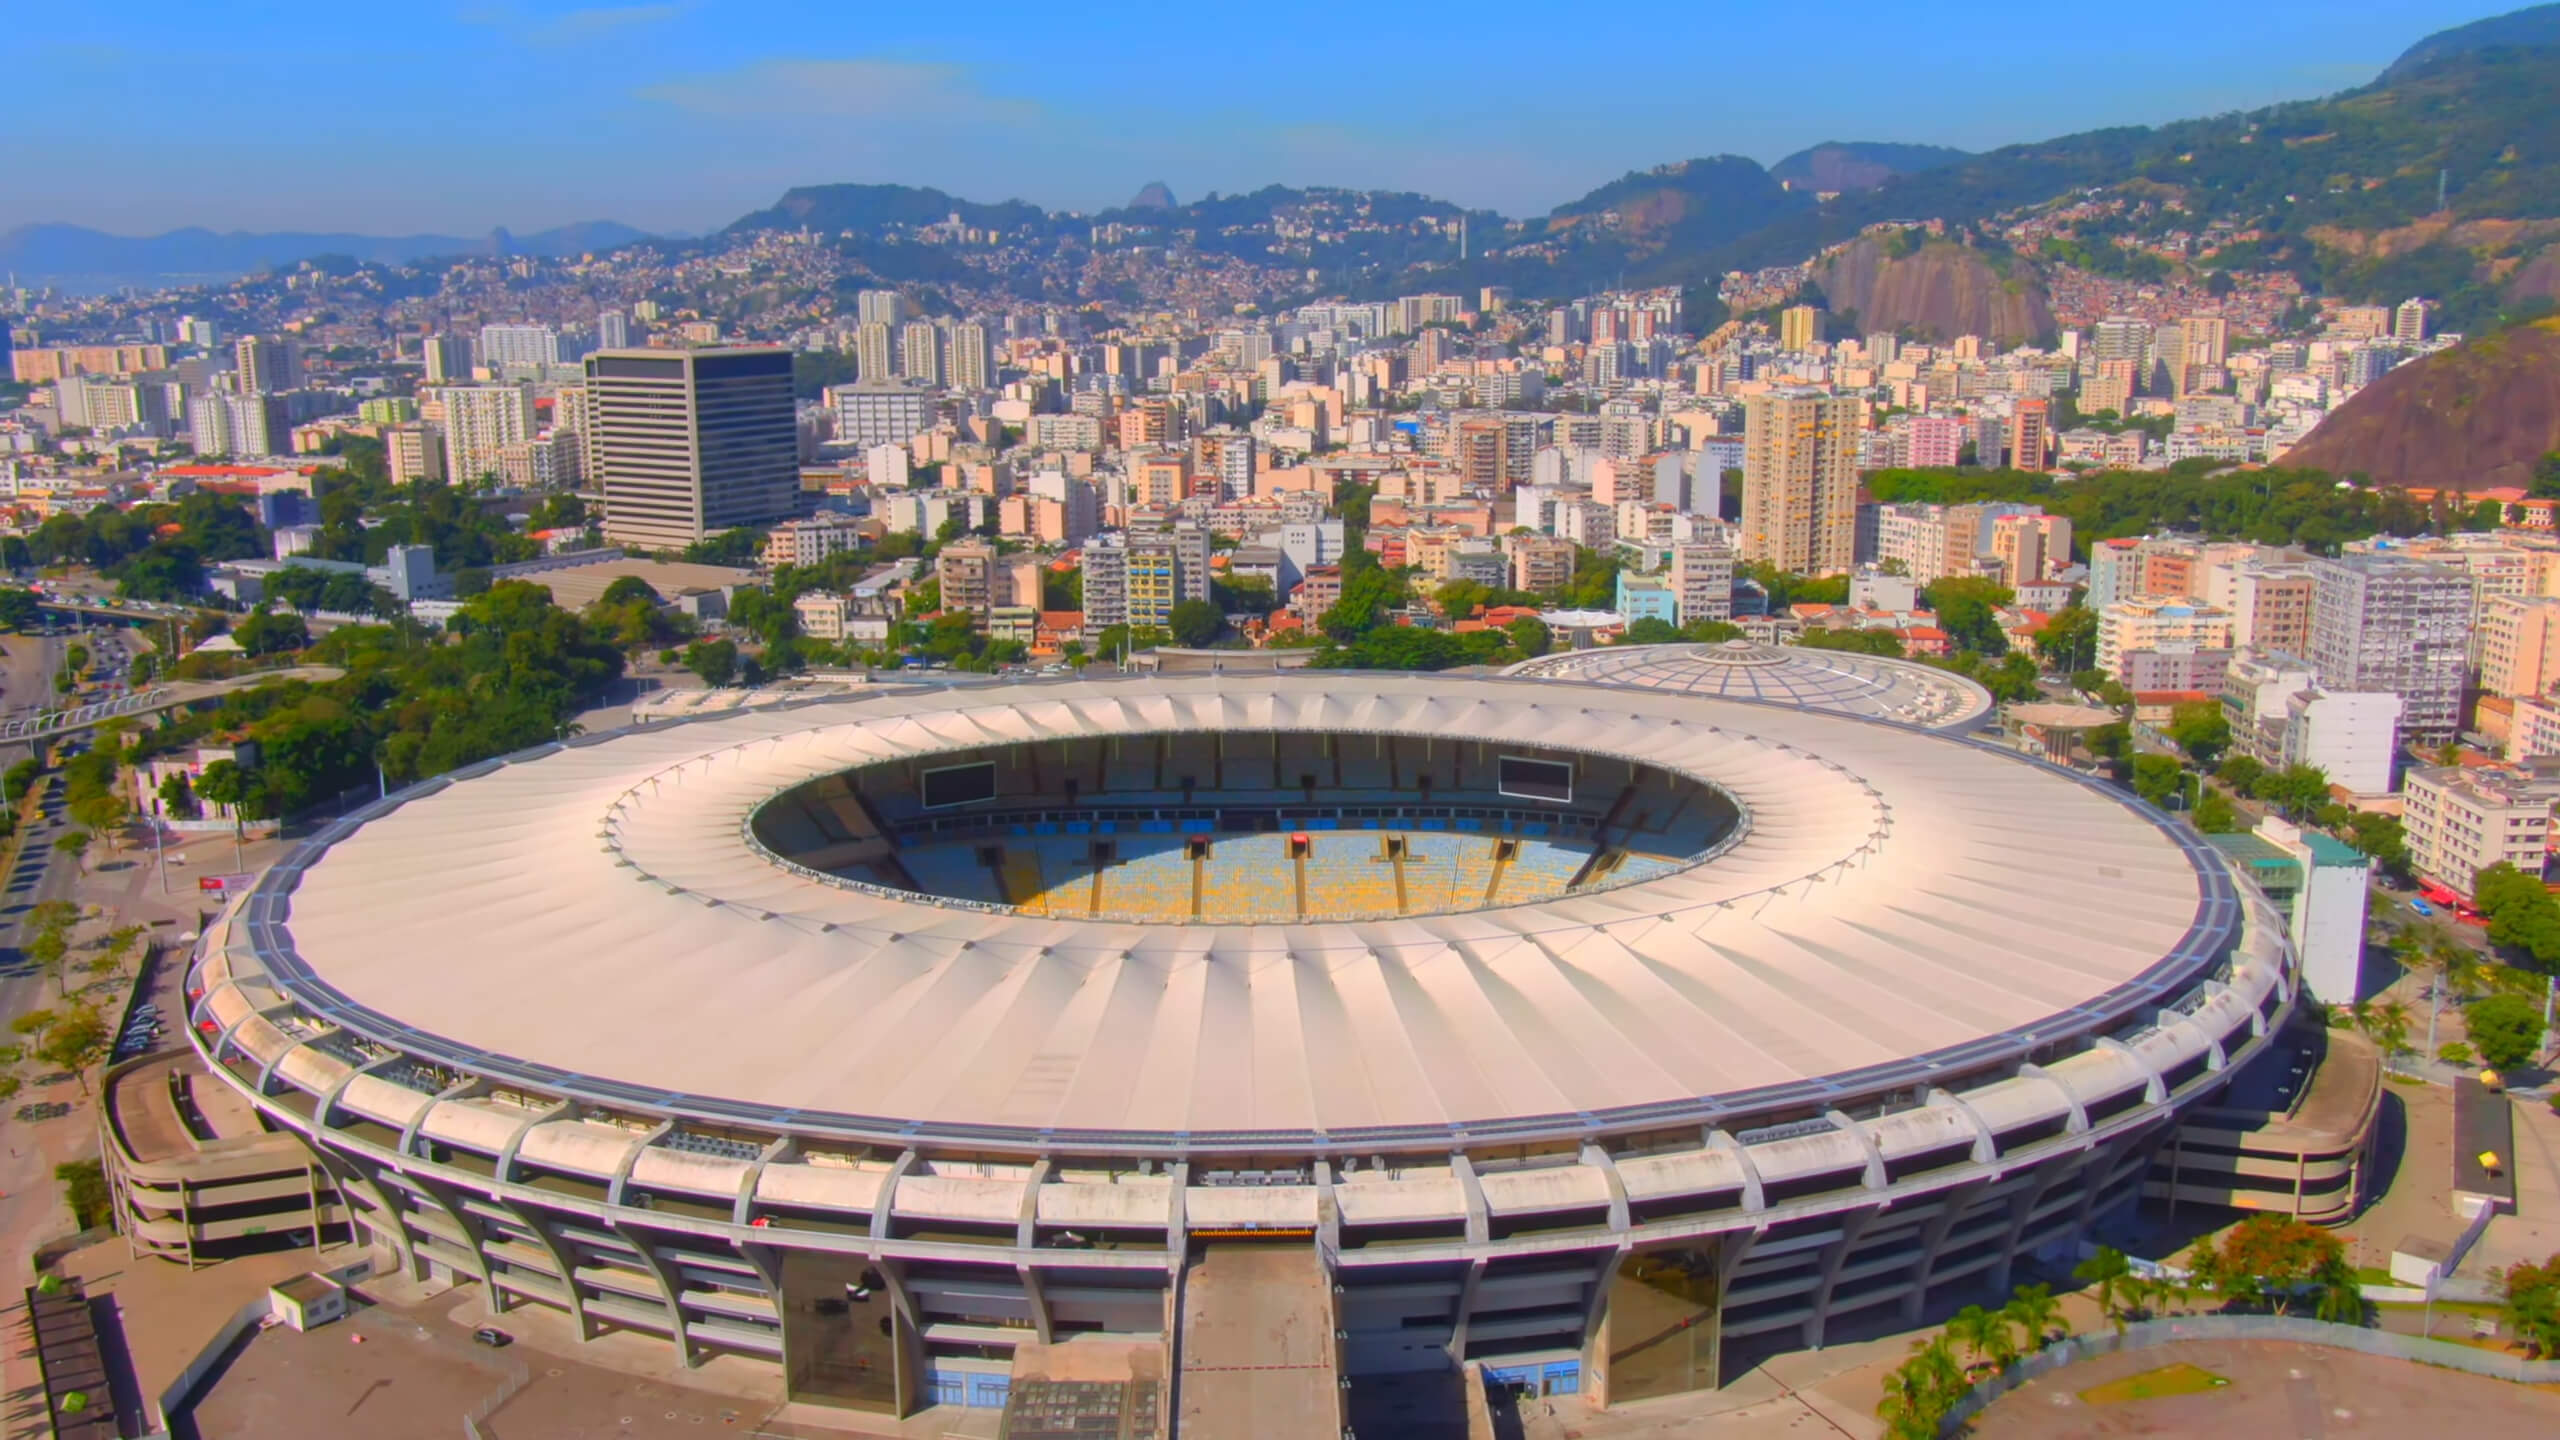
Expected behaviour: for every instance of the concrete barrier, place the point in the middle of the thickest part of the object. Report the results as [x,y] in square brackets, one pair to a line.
[181,1392]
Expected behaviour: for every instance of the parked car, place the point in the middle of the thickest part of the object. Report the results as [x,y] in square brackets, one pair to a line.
[493,1337]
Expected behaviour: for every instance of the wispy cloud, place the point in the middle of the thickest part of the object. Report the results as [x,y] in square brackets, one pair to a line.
[571,27]
[604,20]
[847,89]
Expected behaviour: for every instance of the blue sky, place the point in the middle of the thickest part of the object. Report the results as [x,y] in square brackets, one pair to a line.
[149,114]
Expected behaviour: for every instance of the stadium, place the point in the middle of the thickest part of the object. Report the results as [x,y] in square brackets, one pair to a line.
[1607,1039]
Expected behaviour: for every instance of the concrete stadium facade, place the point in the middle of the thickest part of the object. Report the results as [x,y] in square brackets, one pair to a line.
[1930,1012]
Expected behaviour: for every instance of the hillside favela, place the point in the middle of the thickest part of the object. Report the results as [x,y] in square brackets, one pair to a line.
[806,721]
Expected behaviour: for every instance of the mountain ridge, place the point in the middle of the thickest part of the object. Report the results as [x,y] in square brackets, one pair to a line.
[46,250]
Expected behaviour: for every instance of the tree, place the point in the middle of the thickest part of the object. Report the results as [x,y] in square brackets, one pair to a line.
[1967,610]
[1918,1396]
[2201,729]
[104,813]
[2068,643]
[2522,913]
[627,589]
[2157,777]
[76,1040]
[2296,789]
[2106,1270]
[716,661]
[1651,630]
[2382,837]
[1530,636]
[267,633]
[74,843]
[2533,1304]
[1862,642]
[48,949]
[2240,772]
[18,609]
[1984,1334]
[119,946]
[2387,1025]
[2276,1261]
[2215,814]
[2035,1312]
[1195,623]
[178,797]
[2505,1029]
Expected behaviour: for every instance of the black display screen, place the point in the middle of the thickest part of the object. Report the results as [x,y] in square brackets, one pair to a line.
[1548,780]
[959,785]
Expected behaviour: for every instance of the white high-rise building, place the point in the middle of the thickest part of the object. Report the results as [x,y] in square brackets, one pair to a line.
[480,420]
[920,352]
[880,307]
[613,330]
[504,347]
[875,348]
[972,364]
[445,358]
[868,415]
[2390,622]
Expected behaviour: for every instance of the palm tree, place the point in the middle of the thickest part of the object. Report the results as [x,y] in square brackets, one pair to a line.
[2390,1030]
[1905,1408]
[1971,1327]
[2136,1294]
[2035,1312]
[2341,1298]
[2450,965]
[2106,1270]
[1918,1395]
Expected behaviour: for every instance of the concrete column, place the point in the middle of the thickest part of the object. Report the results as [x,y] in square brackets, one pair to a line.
[540,1229]
[670,1287]
[1466,1303]
[475,1241]
[1934,1235]
[1852,1225]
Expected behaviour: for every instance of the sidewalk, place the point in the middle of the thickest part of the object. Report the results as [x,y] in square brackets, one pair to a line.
[126,890]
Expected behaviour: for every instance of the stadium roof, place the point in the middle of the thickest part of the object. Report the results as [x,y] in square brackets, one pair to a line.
[1840,681]
[595,911]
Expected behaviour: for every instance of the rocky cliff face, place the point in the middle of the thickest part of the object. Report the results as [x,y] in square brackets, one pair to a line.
[1937,292]
[2474,417]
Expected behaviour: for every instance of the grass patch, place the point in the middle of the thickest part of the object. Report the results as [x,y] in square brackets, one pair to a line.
[2180,1379]
[84,1184]
[2374,1275]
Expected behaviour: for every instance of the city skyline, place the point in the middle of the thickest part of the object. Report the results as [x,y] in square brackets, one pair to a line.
[550,114]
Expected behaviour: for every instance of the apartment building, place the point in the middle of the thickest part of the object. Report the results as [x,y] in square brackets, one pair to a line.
[2270,607]
[2158,626]
[2459,822]
[809,541]
[1540,563]
[2386,622]
[1702,581]
[966,570]
[479,421]
[2519,645]
[1800,482]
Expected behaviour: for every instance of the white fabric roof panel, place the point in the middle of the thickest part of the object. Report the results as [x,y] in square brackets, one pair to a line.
[598,909]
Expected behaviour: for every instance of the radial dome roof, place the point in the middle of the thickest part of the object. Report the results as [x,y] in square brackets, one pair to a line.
[1840,681]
